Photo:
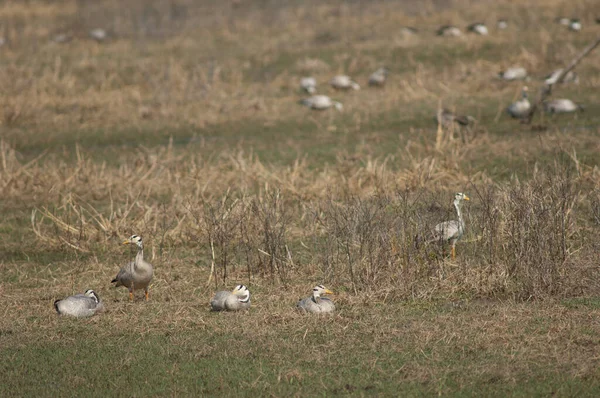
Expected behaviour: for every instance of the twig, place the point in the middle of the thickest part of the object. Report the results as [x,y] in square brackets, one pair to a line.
[546,89]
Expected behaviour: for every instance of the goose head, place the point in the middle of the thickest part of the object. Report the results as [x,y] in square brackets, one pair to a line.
[459,197]
[319,291]
[92,294]
[242,293]
[135,239]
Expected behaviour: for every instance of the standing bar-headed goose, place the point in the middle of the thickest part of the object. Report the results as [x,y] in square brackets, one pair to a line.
[521,108]
[136,274]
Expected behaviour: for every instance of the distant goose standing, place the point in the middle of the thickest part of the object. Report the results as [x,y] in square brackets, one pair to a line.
[308,84]
[80,305]
[514,73]
[575,25]
[521,108]
[502,24]
[317,303]
[571,77]
[478,28]
[238,299]
[561,106]
[449,31]
[343,82]
[378,77]
[138,273]
[451,231]
[321,102]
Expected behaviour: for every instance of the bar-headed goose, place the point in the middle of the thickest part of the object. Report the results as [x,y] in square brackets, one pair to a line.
[138,273]
[447,118]
[478,28]
[521,108]
[317,303]
[514,73]
[321,102]
[378,77]
[308,84]
[449,31]
[562,105]
[575,25]
[451,231]
[80,305]
[343,82]
[238,299]
[502,24]
[571,77]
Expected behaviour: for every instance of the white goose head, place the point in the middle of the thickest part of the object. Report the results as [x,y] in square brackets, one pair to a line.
[135,239]
[242,293]
[459,197]
[92,294]
[319,291]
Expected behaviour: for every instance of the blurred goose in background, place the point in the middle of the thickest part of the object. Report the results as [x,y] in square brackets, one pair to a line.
[343,82]
[80,305]
[98,34]
[521,108]
[317,303]
[446,118]
[575,25]
[62,38]
[563,21]
[138,273]
[561,106]
[409,31]
[514,73]
[571,77]
[449,31]
[478,28]
[502,24]
[238,299]
[378,77]
[308,84]
[321,102]
[451,231]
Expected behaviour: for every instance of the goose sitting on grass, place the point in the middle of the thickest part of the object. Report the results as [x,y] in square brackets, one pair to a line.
[317,303]
[136,274]
[562,105]
[80,305]
[520,109]
[514,73]
[308,84]
[343,82]
[238,299]
[502,24]
[552,78]
[321,102]
[449,31]
[575,25]
[478,28]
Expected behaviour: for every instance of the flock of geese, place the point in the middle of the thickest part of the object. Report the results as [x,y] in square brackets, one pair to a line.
[519,109]
[137,275]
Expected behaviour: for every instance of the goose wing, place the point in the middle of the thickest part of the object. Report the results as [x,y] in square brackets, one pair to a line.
[79,306]
[217,303]
[447,230]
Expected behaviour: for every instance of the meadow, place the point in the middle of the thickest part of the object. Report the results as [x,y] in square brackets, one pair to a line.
[184,126]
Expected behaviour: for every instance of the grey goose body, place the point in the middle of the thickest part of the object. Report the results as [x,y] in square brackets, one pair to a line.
[238,299]
[316,303]
[80,305]
[138,273]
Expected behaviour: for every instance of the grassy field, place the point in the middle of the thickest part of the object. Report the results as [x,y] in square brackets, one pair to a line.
[184,127]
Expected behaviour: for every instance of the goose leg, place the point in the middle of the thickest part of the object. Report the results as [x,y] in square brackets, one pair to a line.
[146,292]
[131,294]
[453,252]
